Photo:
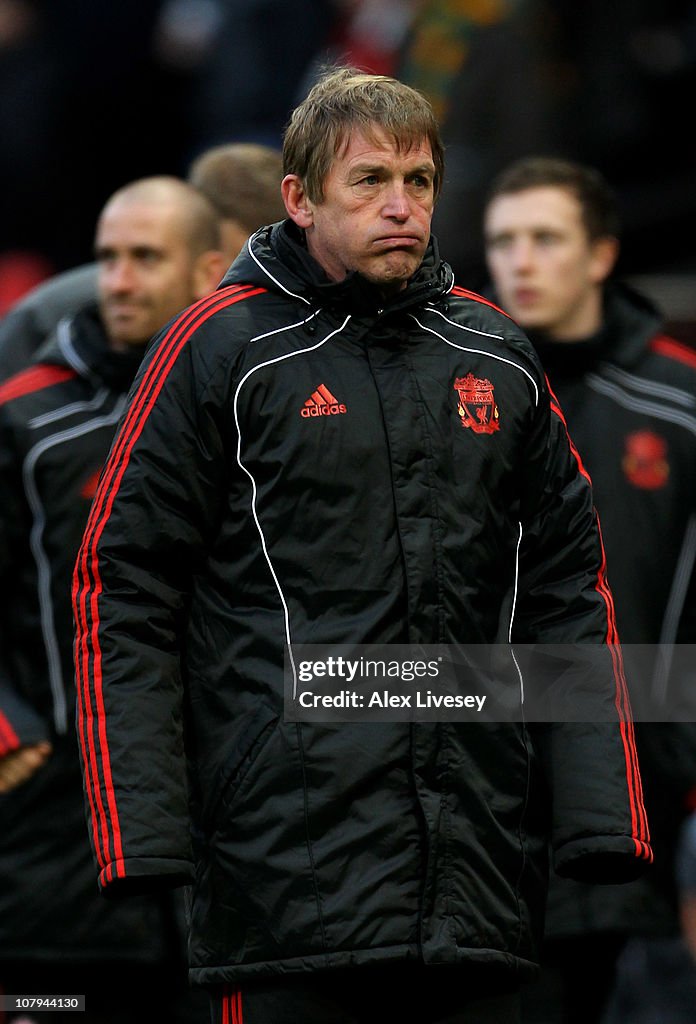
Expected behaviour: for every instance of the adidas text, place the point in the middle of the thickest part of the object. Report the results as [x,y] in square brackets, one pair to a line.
[322,410]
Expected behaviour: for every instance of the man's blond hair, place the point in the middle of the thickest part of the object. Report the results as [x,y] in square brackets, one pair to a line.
[344,100]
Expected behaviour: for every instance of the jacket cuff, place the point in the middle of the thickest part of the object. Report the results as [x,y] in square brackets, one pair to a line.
[602,860]
[140,875]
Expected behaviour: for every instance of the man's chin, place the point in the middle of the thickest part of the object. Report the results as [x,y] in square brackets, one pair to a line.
[124,342]
[393,272]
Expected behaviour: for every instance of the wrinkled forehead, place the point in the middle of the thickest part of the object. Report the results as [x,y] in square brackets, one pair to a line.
[402,142]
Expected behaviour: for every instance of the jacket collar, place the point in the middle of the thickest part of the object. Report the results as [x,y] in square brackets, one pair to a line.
[630,321]
[277,258]
[80,341]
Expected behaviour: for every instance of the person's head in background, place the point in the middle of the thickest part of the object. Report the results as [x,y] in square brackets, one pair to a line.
[242,181]
[157,246]
[551,239]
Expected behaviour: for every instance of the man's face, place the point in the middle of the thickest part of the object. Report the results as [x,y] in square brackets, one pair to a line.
[546,271]
[376,211]
[146,270]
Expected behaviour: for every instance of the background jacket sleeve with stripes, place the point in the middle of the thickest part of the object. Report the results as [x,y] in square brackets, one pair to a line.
[562,578]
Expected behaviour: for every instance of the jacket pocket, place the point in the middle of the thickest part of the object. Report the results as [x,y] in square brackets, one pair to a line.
[259,731]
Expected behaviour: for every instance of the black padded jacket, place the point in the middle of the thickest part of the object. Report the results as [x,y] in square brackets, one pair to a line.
[301,463]
[629,396]
[57,420]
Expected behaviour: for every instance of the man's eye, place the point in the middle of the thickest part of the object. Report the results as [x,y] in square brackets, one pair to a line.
[499,242]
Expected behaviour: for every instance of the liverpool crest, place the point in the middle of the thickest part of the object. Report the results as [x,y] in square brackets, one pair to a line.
[645,460]
[477,406]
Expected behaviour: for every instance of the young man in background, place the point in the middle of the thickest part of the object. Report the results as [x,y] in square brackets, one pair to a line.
[628,393]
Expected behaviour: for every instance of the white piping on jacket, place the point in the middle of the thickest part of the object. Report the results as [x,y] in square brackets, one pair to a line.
[247,375]
[65,344]
[642,385]
[621,397]
[43,565]
[268,274]
[512,612]
[675,605]
[476,351]
[68,410]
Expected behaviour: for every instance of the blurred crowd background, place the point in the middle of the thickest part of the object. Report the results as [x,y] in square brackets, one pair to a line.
[94,94]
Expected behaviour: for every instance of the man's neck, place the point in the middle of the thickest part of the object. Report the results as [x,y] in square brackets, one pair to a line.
[584,323]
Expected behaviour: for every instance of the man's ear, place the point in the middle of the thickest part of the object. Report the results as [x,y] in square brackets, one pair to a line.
[605,252]
[208,271]
[296,200]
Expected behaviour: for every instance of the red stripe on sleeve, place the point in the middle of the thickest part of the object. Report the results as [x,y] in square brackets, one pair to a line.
[639,821]
[100,818]
[87,583]
[672,349]
[36,378]
[231,1005]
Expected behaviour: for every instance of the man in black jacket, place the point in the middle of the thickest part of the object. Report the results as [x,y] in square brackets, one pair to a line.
[157,248]
[341,447]
[628,392]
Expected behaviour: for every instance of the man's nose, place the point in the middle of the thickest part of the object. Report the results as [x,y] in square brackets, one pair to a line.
[522,254]
[118,276]
[396,202]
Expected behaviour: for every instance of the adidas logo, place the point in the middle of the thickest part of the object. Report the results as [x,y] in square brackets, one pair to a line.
[322,403]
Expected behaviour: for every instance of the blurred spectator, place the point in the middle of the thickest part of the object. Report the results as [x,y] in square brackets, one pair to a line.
[595,82]
[102,93]
[255,68]
[185,32]
[483,66]
[157,244]
[628,392]
[369,34]
[241,180]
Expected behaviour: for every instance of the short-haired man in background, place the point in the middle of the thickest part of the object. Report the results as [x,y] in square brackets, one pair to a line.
[241,180]
[157,247]
[628,393]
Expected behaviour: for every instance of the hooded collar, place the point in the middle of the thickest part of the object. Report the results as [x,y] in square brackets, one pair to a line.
[629,322]
[276,258]
[80,342]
